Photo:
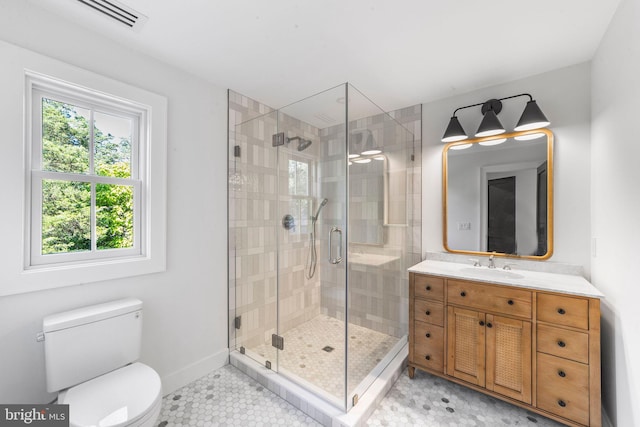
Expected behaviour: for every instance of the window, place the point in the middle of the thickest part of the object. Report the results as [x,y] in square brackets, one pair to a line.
[299,190]
[88,185]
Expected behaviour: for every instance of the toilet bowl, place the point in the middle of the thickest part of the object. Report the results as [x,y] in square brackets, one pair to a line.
[129,396]
[91,361]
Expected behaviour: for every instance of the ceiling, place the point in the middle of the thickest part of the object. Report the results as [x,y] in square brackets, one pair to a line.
[398,53]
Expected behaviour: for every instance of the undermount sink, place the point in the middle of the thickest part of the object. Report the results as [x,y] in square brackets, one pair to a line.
[491,272]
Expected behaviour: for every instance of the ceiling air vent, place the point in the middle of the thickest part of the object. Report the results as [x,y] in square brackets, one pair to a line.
[117,11]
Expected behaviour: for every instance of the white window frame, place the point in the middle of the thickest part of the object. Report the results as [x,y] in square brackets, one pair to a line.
[149,171]
[94,103]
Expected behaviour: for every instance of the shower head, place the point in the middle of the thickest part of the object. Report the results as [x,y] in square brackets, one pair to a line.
[322,203]
[303,144]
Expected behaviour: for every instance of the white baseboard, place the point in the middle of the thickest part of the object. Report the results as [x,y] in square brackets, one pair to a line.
[175,380]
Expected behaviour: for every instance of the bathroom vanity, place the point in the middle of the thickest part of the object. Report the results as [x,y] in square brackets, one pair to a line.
[529,338]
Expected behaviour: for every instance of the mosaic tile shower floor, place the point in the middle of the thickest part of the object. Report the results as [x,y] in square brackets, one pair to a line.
[227,397]
[305,352]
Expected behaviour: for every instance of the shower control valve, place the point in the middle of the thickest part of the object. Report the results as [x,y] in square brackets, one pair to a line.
[289,222]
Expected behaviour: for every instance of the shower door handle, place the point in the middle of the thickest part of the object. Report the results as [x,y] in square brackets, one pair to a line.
[333,260]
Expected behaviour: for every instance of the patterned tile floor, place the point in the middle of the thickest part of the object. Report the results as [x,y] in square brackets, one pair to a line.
[427,400]
[304,353]
[227,397]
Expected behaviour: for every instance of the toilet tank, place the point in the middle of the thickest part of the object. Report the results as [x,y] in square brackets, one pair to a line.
[90,341]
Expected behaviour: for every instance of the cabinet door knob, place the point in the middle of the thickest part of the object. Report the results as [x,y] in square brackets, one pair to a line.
[561,311]
[463,294]
[428,335]
[481,323]
[562,374]
[489,325]
[427,312]
[510,302]
[561,343]
[427,357]
[428,288]
[562,403]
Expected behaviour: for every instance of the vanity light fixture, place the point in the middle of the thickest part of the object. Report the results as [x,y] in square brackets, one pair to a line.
[362,160]
[532,118]
[529,136]
[460,147]
[493,142]
[370,147]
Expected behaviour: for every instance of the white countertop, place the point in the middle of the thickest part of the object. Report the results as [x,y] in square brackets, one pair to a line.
[552,282]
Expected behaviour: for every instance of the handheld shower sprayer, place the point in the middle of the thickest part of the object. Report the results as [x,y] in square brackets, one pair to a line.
[312,257]
[324,202]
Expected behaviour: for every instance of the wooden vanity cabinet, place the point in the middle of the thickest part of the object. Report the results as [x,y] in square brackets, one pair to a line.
[491,347]
[538,350]
[426,328]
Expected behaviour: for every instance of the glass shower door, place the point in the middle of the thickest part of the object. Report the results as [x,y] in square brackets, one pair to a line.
[253,227]
[312,243]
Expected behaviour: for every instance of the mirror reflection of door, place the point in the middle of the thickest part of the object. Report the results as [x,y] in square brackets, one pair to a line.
[541,210]
[501,227]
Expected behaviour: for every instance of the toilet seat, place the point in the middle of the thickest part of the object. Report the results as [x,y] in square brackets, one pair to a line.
[129,396]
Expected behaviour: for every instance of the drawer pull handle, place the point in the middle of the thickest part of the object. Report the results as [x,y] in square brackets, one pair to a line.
[428,288]
[427,357]
[561,311]
[510,302]
[427,312]
[561,344]
[428,335]
[481,323]
[562,403]
[562,374]
[489,325]
[463,294]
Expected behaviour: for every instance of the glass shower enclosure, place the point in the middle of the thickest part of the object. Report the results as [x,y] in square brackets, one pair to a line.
[320,208]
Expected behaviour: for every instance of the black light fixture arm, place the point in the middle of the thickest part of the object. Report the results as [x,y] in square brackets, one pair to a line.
[488,103]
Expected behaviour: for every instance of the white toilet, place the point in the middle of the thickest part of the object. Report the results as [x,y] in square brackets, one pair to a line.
[90,356]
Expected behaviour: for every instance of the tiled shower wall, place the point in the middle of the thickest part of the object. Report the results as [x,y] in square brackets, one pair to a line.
[257,241]
[378,295]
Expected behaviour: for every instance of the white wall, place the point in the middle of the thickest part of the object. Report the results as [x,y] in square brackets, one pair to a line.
[564,96]
[185,332]
[615,209]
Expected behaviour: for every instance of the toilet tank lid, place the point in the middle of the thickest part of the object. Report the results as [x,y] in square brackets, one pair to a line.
[90,314]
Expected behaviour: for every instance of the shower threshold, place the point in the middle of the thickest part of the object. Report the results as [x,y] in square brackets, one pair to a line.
[314,401]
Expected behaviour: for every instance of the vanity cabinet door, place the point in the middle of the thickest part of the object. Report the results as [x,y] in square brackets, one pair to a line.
[508,353]
[466,345]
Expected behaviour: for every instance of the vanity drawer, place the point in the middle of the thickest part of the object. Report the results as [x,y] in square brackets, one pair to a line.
[429,346]
[563,388]
[560,342]
[561,310]
[429,311]
[428,287]
[496,299]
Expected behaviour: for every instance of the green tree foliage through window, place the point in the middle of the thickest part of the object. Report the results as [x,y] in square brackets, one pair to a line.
[67,142]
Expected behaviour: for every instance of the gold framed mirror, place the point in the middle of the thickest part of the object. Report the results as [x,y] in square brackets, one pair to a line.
[497,195]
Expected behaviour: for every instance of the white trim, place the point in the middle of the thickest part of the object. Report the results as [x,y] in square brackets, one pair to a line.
[14,277]
[178,379]
[38,89]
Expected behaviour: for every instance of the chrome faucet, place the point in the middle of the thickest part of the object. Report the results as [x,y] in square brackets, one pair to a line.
[492,262]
